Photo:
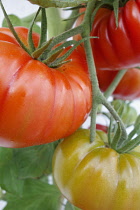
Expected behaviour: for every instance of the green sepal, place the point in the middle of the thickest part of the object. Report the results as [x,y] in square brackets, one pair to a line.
[116,137]
[130,145]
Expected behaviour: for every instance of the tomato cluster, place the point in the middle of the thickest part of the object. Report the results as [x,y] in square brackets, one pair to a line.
[92,175]
[40,104]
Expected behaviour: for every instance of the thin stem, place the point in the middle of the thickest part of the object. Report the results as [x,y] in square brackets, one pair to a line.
[115,83]
[130,145]
[13,30]
[97,96]
[116,117]
[65,35]
[116,137]
[71,19]
[30,39]
[43,35]
[110,131]
[92,70]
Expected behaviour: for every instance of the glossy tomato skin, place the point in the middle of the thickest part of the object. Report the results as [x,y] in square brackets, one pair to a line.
[22,32]
[127,89]
[39,104]
[94,177]
[116,47]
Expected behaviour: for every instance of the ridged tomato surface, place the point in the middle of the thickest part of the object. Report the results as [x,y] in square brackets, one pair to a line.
[39,104]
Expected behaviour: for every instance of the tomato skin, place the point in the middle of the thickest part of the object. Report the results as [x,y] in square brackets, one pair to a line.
[101,127]
[127,89]
[116,47]
[94,177]
[22,32]
[39,104]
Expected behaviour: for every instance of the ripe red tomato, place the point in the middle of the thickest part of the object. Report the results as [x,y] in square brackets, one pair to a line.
[94,176]
[101,127]
[39,104]
[127,89]
[6,35]
[117,47]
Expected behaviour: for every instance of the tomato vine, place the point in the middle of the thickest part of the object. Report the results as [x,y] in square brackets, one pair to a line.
[61,75]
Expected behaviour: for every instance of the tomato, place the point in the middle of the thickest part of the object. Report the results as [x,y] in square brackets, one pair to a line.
[22,32]
[127,89]
[93,176]
[116,47]
[39,104]
[101,127]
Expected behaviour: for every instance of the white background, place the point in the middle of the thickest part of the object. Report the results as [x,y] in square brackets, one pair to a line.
[23,8]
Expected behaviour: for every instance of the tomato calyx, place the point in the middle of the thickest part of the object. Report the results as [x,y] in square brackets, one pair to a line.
[48,52]
[116,138]
[117,141]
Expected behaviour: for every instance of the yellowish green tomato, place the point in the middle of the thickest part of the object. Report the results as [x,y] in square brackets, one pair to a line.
[93,176]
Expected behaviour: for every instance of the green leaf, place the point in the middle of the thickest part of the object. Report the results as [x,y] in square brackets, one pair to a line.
[58,3]
[16,21]
[37,195]
[34,161]
[8,172]
[124,109]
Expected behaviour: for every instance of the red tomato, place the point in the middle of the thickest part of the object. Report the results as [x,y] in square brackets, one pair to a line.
[6,35]
[39,104]
[129,86]
[101,127]
[127,89]
[116,47]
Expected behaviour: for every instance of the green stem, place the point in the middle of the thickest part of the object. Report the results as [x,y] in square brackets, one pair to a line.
[30,39]
[13,30]
[97,96]
[115,83]
[70,20]
[130,145]
[116,117]
[43,35]
[92,70]
[65,35]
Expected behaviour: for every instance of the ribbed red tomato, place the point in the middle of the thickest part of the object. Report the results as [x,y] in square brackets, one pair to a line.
[39,104]
[129,86]
[116,47]
[127,89]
